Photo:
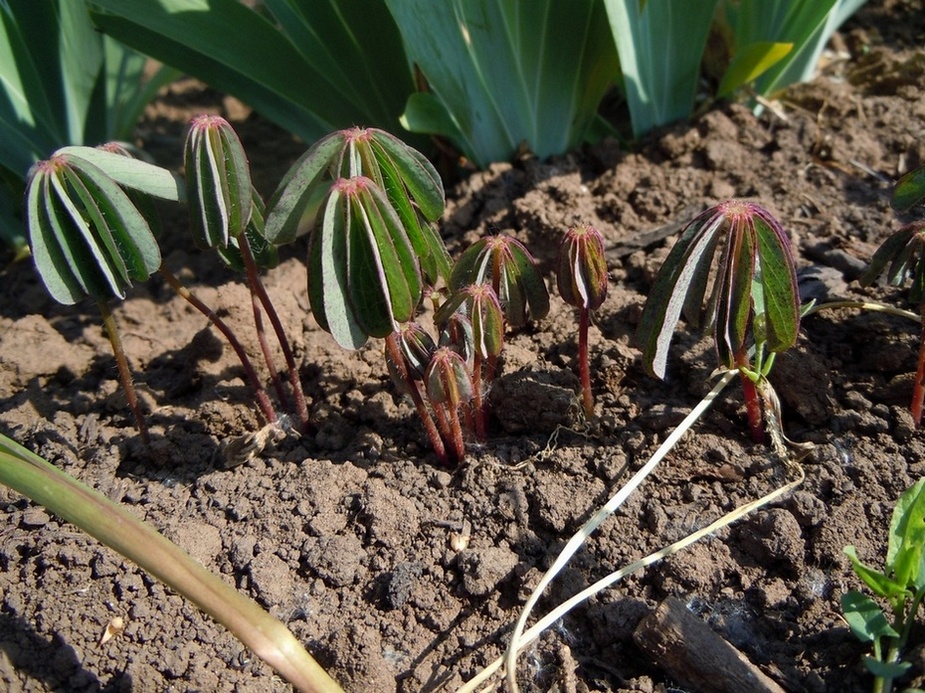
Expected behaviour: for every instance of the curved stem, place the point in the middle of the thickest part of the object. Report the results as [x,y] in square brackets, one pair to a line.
[262,400]
[256,285]
[433,434]
[125,374]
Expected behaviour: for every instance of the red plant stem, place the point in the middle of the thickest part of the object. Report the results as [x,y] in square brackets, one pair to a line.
[446,431]
[480,404]
[254,280]
[918,390]
[265,348]
[752,402]
[262,400]
[430,428]
[125,374]
[456,430]
[584,318]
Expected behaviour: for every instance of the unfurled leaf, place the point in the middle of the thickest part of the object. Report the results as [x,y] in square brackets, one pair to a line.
[87,236]
[129,171]
[886,670]
[505,264]
[881,585]
[904,556]
[218,182]
[865,617]
[909,190]
[304,179]
[582,269]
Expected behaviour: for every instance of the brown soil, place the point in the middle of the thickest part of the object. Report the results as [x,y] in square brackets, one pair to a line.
[345,534]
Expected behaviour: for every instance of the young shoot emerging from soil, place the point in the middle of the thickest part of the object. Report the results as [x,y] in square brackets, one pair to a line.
[746,293]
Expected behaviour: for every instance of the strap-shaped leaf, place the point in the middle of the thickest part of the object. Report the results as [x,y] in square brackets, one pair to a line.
[128,172]
[88,237]
[750,62]
[334,288]
[385,280]
[778,282]
[218,182]
[297,188]
[418,174]
[669,294]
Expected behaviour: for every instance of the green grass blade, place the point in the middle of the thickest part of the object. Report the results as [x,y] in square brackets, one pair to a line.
[30,475]
[750,62]
[660,48]
[358,49]
[237,50]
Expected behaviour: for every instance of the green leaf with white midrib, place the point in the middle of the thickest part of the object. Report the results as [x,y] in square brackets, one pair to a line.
[334,282]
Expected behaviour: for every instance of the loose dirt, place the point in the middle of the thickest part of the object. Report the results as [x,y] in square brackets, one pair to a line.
[347,534]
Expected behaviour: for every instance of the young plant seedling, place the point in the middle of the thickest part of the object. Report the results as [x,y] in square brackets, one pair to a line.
[88,237]
[485,333]
[90,216]
[582,281]
[372,243]
[753,300]
[901,584]
[227,214]
[902,256]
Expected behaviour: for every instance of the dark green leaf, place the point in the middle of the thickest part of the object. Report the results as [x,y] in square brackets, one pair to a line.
[909,190]
[334,287]
[292,197]
[886,670]
[218,181]
[778,283]
[88,236]
[865,617]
